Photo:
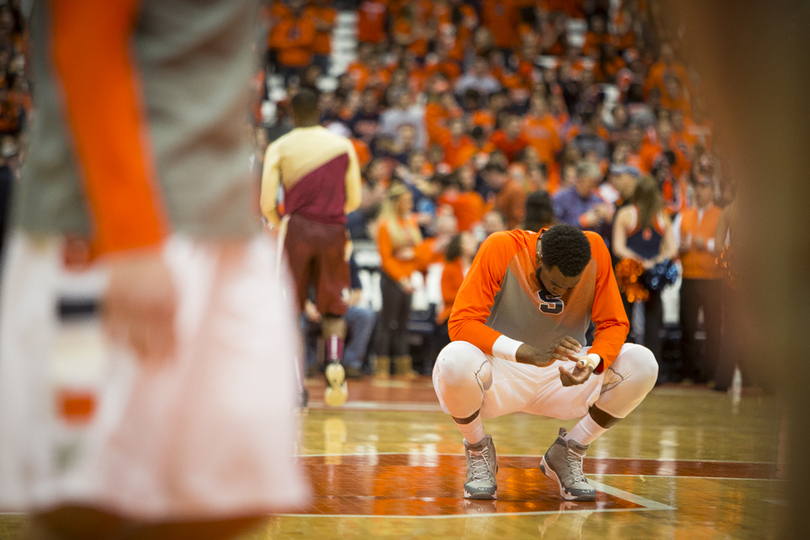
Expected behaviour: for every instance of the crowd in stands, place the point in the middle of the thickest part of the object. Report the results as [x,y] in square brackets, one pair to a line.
[15,102]
[476,116]
[482,109]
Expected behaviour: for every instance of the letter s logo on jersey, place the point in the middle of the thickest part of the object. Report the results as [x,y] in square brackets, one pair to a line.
[553,305]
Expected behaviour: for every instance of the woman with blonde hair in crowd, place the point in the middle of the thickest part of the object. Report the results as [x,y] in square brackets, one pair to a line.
[403,251]
[644,241]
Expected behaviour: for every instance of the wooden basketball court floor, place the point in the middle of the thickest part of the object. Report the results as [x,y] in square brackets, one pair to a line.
[687,464]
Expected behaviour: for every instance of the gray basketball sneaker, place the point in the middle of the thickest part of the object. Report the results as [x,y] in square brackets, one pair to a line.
[482,466]
[563,463]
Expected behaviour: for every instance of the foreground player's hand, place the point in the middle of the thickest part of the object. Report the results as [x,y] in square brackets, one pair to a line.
[579,375]
[140,303]
[562,349]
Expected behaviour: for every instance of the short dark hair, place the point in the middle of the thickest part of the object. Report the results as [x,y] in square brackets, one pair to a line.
[305,103]
[567,248]
[539,211]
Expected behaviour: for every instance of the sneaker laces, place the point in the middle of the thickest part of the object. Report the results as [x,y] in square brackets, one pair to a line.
[480,464]
[575,461]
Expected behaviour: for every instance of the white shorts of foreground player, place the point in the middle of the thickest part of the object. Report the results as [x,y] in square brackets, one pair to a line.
[467,380]
[208,434]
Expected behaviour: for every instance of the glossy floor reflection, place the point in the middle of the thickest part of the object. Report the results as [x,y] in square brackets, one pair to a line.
[687,464]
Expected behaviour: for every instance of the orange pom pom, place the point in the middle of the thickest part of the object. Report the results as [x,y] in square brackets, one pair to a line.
[628,275]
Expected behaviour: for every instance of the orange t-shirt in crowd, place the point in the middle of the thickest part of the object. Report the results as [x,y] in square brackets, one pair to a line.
[510,147]
[541,133]
[511,203]
[458,152]
[681,104]
[501,18]
[451,70]
[452,277]
[485,119]
[601,131]
[435,122]
[403,28]
[608,72]
[658,73]
[371,21]
[683,141]
[468,207]
[700,264]
[322,44]
[274,15]
[593,42]
[396,268]
[573,8]
[294,40]
[651,152]
[505,267]
[363,152]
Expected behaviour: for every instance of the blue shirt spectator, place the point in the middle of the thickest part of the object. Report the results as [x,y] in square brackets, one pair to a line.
[580,206]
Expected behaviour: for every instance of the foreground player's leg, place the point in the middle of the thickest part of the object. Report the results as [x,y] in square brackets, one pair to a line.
[334,332]
[625,385]
[462,373]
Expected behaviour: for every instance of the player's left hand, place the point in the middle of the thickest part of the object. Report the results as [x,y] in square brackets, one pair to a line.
[579,375]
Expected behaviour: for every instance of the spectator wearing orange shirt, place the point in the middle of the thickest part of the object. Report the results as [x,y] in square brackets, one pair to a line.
[540,130]
[403,251]
[609,64]
[323,15]
[510,140]
[458,147]
[624,31]
[501,17]
[10,114]
[371,19]
[412,33]
[667,67]
[702,281]
[293,39]
[596,36]
[458,193]
[459,257]
[651,150]
[509,197]
[681,139]
[442,63]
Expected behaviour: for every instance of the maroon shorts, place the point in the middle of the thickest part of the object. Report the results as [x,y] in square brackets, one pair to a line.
[316,253]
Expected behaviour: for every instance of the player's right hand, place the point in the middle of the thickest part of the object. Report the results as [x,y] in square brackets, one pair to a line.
[140,303]
[565,348]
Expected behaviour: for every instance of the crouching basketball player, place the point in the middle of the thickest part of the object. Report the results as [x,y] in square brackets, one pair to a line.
[518,327]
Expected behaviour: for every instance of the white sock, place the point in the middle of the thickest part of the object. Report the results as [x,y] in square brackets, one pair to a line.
[474,431]
[586,431]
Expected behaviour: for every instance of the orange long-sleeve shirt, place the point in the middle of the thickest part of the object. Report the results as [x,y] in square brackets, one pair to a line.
[452,277]
[500,296]
[397,268]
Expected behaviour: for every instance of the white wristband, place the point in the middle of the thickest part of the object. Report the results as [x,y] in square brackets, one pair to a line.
[592,360]
[506,348]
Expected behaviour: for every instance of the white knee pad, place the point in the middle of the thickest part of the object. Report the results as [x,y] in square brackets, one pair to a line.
[628,380]
[461,375]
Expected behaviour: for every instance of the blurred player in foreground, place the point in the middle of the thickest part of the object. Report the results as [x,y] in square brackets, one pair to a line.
[518,328]
[138,147]
[320,177]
